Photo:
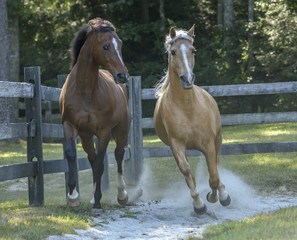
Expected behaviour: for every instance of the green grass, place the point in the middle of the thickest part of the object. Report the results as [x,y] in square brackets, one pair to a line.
[278,225]
[18,221]
[267,173]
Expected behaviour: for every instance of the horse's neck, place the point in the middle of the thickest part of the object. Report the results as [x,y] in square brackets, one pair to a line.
[176,91]
[86,69]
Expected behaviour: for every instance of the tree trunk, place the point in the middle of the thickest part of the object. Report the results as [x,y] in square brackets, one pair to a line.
[250,37]
[220,14]
[162,15]
[229,29]
[145,11]
[228,15]
[6,104]
[13,31]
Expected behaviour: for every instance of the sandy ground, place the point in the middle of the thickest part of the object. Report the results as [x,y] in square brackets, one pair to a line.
[173,217]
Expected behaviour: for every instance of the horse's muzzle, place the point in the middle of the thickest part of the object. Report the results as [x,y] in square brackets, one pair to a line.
[121,77]
[187,81]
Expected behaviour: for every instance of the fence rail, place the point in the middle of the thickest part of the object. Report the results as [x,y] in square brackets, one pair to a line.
[34,130]
[234,119]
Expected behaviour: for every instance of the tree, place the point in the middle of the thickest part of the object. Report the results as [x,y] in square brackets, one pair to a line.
[229,28]
[220,13]
[229,15]
[250,37]
[6,104]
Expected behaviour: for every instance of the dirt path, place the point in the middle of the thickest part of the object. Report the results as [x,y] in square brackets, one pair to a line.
[173,217]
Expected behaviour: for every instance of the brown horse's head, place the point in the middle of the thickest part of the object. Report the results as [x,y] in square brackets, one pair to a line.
[182,55]
[107,49]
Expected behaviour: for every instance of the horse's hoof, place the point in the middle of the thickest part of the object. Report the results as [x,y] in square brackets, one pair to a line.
[134,197]
[200,211]
[226,202]
[73,202]
[211,200]
[96,212]
[124,201]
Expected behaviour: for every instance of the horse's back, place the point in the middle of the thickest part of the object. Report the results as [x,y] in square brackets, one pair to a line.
[198,122]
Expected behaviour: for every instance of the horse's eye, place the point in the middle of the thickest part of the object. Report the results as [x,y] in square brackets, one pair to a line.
[173,53]
[106,47]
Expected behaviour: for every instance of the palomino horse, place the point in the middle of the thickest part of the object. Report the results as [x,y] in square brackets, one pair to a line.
[187,117]
[94,102]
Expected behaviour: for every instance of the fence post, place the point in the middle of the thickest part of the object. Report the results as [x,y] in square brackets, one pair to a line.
[34,144]
[134,166]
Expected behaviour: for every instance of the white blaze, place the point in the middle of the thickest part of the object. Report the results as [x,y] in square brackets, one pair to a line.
[114,42]
[183,49]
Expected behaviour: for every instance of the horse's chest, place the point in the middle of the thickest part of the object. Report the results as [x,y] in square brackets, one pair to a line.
[188,124]
[90,119]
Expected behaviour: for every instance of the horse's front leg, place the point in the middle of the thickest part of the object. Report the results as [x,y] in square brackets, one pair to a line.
[215,182]
[179,153]
[70,134]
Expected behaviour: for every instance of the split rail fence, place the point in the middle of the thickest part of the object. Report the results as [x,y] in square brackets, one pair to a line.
[34,130]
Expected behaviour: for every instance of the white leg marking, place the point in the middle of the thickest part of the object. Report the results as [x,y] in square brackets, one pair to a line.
[74,194]
[93,199]
[197,201]
[122,193]
[114,41]
[223,194]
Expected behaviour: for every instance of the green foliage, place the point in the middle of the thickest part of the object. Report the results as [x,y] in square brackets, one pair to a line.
[48,26]
[275,50]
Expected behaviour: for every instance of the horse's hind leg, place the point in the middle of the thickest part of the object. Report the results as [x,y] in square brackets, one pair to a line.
[180,157]
[121,139]
[70,134]
[88,146]
[214,179]
[122,193]
[98,168]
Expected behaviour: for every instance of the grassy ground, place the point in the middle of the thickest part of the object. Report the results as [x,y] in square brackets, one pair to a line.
[268,173]
[278,225]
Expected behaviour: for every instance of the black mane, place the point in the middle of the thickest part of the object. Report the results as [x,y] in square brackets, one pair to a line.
[82,34]
[77,43]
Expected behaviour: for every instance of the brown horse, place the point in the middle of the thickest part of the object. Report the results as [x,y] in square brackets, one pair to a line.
[94,102]
[187,117]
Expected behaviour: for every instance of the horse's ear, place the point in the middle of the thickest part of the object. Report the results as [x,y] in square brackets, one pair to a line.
[191,31]
[172,32]
[94,23]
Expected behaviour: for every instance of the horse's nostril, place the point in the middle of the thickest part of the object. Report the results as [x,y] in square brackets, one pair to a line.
[122,77]
[183,78]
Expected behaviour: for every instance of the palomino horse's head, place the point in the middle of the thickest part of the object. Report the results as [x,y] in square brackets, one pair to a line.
[182,55]
[107,49]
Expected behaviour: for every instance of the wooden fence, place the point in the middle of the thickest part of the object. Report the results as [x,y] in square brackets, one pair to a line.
[232,119]
[34,130]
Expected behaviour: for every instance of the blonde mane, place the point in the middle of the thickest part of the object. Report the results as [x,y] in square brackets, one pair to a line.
[163,83]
